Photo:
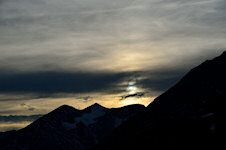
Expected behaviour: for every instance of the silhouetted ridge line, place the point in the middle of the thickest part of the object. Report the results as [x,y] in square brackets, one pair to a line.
[68,128]
[184,117]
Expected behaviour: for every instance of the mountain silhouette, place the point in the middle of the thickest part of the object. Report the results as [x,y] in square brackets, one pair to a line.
[68,128]
[184,117]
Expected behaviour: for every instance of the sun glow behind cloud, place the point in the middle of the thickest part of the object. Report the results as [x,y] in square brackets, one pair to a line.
[131,89]
[143,101]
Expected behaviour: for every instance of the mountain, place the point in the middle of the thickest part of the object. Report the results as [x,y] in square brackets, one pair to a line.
[184,117]
[68,128]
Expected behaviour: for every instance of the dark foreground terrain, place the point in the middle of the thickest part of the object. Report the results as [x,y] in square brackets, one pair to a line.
[184,117]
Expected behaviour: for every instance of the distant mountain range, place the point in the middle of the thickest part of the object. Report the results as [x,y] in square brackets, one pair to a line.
[68,128]
[17,118]
[184,117]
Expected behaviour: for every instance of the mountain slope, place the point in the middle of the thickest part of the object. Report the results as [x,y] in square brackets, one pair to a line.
[68,128]
[183,117]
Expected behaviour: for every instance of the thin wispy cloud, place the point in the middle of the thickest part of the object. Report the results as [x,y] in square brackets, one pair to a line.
[122,35]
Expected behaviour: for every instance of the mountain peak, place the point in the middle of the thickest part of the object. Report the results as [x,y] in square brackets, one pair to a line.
[65,107]
[96,106]
[224,53]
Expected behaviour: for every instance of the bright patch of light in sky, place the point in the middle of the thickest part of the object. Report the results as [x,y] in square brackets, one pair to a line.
[131,89]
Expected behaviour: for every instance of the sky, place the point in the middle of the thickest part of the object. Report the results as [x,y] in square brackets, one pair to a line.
[116,53]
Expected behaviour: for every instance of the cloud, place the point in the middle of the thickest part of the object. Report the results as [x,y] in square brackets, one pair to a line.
[53,82]
[18,118]
[57,84]
[38,85]
[125,35]
[28,107]
[15,122]
[137,95]
[86,98]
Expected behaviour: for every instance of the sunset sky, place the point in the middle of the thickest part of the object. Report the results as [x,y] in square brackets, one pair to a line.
[114,52]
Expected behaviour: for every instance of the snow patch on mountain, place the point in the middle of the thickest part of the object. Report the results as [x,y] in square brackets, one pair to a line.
[89,118]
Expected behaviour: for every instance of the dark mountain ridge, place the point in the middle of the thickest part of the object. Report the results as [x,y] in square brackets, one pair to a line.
[68,128]
[183,117]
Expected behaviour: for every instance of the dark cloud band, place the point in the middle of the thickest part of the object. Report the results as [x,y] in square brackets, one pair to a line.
[52,82]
